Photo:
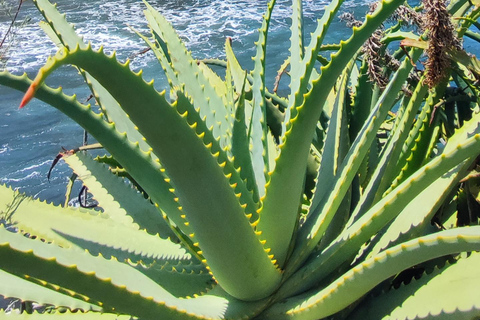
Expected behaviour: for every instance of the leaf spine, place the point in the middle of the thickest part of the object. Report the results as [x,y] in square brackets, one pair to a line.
[193,126]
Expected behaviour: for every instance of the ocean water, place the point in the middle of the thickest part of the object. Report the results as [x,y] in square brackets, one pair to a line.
[30,138]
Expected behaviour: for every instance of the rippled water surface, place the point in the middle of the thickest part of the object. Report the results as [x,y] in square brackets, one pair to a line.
[30,138]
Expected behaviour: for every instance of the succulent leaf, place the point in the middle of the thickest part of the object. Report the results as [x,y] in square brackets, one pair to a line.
[336,146]
[19,287]
[453,286]
[210,194]
[180,278]
[240,146]
[322,214]
[415,149]
[385,170]
[315,206]
[145,170]
[63,33]
[160,52]
[333,298]
[302,69]
[351,239]
[90,230]
[416,217]
[119,200]
[205,99]
[117,285]
[66,315]
[258,128]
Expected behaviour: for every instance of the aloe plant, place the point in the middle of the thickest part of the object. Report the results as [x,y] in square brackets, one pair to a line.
[222,200]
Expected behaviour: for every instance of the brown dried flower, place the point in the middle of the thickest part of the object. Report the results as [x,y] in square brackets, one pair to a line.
[442,38]
[350,20]
[378,59]
[372,49]
[408,16]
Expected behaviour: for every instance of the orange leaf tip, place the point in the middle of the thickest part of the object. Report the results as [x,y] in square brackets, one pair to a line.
[28,95]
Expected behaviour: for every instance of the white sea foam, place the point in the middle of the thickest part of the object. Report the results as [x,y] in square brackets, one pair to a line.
[35,166]
[200,23]
[23,178]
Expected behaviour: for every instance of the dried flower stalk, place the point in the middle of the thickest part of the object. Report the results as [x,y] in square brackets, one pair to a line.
[442,38]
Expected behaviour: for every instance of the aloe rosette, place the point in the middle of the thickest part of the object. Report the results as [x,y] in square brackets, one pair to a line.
[209,211]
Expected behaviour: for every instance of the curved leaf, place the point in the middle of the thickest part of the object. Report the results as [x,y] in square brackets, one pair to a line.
[14,286]
[117,285]
[65,34]
[180,278]
[258,128]
[119,199]
[417,215]
[207,102]
[349,242]
[454,288]
[279,213]
[69,227]
[66,316]
[365,276]
[141,166]
[240,147]
[313,230]
[207,197]
[385,170]
[303,59]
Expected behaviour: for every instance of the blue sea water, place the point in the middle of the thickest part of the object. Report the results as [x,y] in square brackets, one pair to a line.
[30,138]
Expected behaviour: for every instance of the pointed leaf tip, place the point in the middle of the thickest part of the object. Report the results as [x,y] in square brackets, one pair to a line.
[28,95]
